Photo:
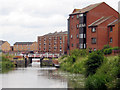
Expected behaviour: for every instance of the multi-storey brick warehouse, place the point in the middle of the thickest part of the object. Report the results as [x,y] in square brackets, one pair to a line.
[90,27]
[25,47]
[53,43]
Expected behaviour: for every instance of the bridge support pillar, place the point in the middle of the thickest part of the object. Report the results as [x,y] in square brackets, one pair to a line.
[30,59]
[25,62]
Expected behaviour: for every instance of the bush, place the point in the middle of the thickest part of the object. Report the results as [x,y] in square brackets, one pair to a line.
[107,51]
[79,52]
[116,48]
[111,69]
[96,82]
[106,47]
[6,64]
[95,59]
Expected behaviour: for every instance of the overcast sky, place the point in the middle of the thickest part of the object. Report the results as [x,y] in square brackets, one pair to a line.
[24,20]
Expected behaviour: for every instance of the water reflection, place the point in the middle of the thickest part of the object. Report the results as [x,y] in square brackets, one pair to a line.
[36,77]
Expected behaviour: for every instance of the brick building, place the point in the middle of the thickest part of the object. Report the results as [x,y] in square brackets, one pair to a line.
[53,43]
[25,47]
[4,46]
[90,27]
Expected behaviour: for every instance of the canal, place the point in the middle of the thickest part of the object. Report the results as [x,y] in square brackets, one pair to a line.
[45,77]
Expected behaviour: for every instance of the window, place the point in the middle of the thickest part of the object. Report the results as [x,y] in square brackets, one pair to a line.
[44,39]
[71,36]
[49,38]
[54,43]
[60,38]
[72,44]
[40,39]
[39,44]
[81,15]
[72,16]
[77,36]
[93,40]
[77,16]
[81,35]
[84,35]
[44,48]
[84,45]
[77,26]
[60,42]
[60,47]
[82,25]
[93,29]
[81,46]
[55,48]
[111,29]
[111,40]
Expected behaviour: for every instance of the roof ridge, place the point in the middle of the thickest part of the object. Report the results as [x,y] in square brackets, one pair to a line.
[89,7]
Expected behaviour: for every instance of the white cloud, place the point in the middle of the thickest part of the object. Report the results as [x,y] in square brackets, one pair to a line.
[24,20]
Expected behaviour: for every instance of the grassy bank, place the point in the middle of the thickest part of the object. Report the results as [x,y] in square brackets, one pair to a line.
[101,72]
[5,64]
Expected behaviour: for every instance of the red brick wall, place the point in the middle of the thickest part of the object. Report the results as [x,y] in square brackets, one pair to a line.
[95,14]
[47,41]
[74,31]
[114,35]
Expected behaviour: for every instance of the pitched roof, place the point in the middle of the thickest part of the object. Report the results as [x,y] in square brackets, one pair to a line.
[56,33]
[23,43]
[114,22]
[86,9]
[2,42]
[99,21]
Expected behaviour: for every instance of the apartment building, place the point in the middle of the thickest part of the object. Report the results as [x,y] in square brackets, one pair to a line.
[4,46]
[55,43]
[90,27]
[25,47]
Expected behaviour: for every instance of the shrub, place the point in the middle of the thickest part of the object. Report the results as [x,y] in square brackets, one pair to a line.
[79,52]
[6,64]
[107,51]
[116,48]
[106,47]
[95,59]
[96,82]
[111,69]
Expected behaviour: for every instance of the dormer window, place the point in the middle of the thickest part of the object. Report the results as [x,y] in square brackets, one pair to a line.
[93,29]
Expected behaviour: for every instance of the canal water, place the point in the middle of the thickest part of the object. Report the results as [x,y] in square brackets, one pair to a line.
[36,77]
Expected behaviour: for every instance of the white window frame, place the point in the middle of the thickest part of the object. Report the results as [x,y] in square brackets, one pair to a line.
[81,36]
[71,36]
[93,29]
[81,15]
[81,46]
